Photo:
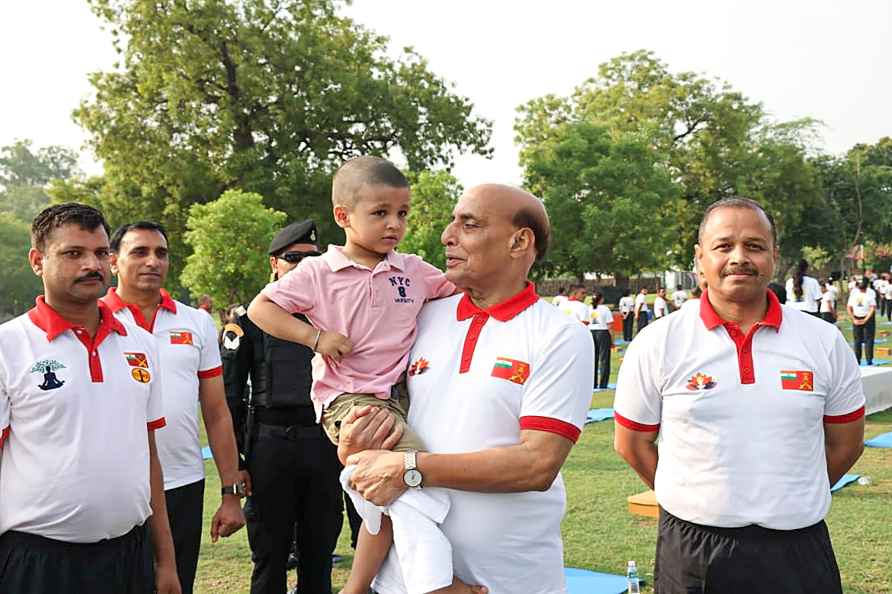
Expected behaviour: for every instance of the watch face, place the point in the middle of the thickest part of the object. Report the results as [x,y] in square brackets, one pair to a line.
[412,478]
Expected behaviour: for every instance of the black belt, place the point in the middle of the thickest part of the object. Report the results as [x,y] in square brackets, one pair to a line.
[292,432]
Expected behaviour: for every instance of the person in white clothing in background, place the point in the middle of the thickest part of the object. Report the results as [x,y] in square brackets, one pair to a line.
[642,310]
[560,298]
[661,307]
[575,306]
[602,319]
[626,306]
[679,297]
[803,292]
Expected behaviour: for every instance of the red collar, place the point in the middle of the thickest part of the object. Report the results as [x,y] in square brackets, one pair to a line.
[572,299]
[116,304]
[773,315]
[48,319]
[503,311]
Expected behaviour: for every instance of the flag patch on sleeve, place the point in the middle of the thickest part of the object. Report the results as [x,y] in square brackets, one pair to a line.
[511,370]
[180,337]
[798,380]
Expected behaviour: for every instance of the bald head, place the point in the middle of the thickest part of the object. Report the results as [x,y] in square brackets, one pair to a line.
[356,173]
[518,206]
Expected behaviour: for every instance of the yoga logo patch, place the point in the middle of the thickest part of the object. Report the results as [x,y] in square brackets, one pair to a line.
[804,381]
[701,381]
[48,367]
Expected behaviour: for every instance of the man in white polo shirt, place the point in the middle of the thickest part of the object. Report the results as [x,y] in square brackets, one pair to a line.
[190,356]
[575,306]
[80,400]
[514,374]
[759,408]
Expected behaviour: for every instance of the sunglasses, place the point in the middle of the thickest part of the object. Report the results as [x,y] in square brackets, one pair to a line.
[295,257]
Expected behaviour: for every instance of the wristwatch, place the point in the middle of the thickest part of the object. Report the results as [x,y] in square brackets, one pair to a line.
[236,489]
[412,476]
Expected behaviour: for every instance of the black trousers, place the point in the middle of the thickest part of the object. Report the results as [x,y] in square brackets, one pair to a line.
[294,472]
[863,337]
[31,564]
[602,341]
[888,303]
[628,323]
[185,510]
[642,320]
[695,559]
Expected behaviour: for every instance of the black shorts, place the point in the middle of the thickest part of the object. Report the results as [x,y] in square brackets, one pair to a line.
[695,559]
[31,564]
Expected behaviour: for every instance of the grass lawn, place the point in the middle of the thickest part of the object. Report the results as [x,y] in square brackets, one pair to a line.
[600,534]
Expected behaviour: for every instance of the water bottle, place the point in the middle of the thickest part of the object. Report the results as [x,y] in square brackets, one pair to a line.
[632,575]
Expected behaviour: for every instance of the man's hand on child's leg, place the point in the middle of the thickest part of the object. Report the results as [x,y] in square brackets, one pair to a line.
[367,428]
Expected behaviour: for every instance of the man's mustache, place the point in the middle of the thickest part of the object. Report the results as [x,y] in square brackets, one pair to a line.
[740,270]
[90,277]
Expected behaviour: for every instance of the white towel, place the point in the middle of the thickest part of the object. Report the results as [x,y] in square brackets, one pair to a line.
[424,551]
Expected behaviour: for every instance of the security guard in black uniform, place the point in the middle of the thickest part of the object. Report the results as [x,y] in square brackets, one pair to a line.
[293,466]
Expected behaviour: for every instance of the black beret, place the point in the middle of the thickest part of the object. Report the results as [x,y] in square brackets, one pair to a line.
[299,232]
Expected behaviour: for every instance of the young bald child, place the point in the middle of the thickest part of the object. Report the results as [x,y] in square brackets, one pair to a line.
[363,300]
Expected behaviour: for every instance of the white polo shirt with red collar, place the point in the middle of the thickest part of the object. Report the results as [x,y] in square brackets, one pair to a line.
[476,379]
[741,417]
[187,344]
[576,309]
[74,414]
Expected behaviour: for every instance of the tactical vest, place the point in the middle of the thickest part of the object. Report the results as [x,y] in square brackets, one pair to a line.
[282,374]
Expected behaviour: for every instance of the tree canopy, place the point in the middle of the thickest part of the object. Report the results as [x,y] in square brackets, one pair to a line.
[267,96]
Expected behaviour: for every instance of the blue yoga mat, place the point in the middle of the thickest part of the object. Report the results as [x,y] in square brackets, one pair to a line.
[206,453]
[884,440]
[846,479]
[598,414]
[582,581]
[609,387]
[876,362]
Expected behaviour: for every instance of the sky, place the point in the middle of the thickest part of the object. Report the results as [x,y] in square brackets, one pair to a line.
[830,60]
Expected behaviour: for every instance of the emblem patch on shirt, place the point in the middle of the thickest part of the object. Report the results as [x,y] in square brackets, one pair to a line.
[798,380]
[511,370]
[141,375]
[419,366]
[701,381]
[180,337]
[48,368]
[137,360]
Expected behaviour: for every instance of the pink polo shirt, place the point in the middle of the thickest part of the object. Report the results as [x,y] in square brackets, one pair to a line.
[375,308]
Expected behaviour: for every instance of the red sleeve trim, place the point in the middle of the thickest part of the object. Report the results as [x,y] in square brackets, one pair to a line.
[550,425]
[211,372]
[630,424]
[3,435]
[156,424]
[847,418]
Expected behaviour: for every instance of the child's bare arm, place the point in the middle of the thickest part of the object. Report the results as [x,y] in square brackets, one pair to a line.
[277,322]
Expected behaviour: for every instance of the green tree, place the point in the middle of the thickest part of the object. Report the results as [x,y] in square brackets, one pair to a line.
[608,197]
[267,96]
[434,195]
[25,173]
[20,285]
[229,239]
[713,142]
